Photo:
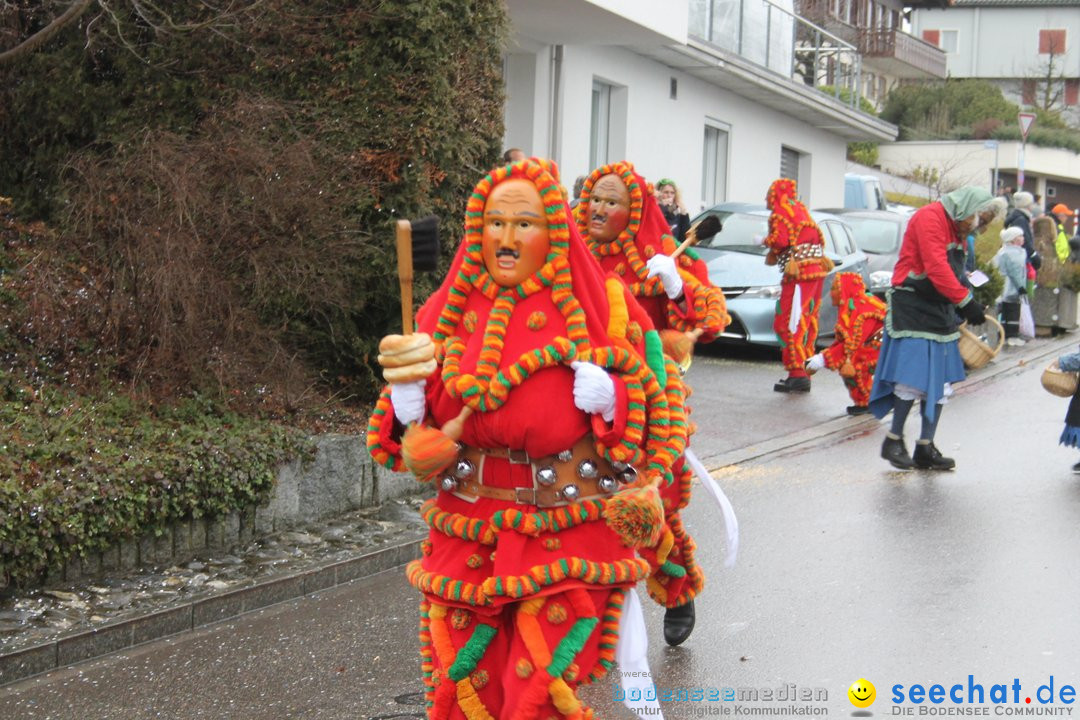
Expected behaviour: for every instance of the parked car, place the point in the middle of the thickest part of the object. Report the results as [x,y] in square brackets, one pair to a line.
[736,261]
[863,192]
[878,233]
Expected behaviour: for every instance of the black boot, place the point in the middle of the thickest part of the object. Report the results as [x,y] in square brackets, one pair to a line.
[896,453]
[792,384]
[1076,468]
[857,410]
[678,623]
[928,457]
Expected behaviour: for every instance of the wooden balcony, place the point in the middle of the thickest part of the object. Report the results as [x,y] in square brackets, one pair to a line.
[904,56]
[827,14]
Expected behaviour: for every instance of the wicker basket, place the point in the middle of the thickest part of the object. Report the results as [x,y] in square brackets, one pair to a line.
[976,352]
[1058,382]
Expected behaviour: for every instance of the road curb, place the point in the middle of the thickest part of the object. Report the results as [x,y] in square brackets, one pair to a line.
[845,426]
[133,631]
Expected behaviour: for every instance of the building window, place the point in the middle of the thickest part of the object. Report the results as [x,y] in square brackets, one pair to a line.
[1072,92]
[950,41]
[714,164]
[1051,42]
[932,36]
[600,127]
[789,163]
[1027,91]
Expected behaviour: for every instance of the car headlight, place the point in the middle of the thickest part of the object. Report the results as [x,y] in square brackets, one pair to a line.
[766,291]
[880,279]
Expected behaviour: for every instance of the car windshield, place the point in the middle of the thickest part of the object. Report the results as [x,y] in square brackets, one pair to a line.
[873,235]
[742,233]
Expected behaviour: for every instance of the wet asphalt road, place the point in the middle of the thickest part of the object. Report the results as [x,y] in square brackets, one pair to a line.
[848,569]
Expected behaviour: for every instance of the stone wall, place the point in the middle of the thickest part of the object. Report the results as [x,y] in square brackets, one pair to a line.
[341,477]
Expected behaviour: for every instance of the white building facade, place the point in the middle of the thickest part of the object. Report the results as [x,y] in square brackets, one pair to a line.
[1026,47]
[721,113]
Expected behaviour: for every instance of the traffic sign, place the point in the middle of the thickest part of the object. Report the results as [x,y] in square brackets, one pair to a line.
[1026,121]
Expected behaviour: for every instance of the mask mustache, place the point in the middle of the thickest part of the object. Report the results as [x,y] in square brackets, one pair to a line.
[599,217]
[507,252]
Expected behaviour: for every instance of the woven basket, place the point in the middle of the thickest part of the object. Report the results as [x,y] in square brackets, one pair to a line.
[976,352]
[1058,382]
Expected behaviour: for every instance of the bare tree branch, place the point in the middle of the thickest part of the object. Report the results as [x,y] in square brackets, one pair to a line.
[43,35]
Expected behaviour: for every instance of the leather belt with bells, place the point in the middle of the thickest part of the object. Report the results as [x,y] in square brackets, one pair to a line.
[562,479]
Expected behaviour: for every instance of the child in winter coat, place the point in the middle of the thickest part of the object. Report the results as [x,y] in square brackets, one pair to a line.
[854,353]
[1011,262]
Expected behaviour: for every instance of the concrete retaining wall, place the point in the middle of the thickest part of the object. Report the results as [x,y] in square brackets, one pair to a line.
[341,477]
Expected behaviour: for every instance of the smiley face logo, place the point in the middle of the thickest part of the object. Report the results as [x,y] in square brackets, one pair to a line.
[862,693]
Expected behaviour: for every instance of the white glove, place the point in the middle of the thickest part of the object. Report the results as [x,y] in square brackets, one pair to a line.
[408,400]
[663,266]
[815,363]
[594,390]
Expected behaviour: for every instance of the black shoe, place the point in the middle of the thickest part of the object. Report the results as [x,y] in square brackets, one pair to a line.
[792,384]
[857,410]
[678,623]
[1076,468]
[928,457]
[896,453]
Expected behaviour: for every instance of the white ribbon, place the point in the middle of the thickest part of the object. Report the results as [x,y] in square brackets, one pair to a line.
[631,652]
[796,310]
[731,523]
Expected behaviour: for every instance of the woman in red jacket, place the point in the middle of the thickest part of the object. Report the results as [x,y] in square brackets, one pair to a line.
[919,356]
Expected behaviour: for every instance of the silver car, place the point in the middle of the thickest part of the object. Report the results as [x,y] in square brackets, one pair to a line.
[736,261]
[878,233]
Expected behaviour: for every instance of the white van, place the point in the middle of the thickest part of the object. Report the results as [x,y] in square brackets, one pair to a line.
[863,192]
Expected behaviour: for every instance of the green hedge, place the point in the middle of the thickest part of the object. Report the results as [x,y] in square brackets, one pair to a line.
[78,474]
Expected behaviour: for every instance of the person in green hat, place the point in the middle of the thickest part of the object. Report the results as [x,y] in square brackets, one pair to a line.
[919,355]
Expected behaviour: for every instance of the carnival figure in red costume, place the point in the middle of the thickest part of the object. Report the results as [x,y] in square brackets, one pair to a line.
[796,245]
[569,417]
[860,318]
[626,232]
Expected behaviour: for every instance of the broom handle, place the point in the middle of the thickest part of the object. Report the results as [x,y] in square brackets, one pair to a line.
[405,274]
[691,238]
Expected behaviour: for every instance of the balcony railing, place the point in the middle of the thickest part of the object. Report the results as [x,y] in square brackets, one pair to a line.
[921,57]
[768,34]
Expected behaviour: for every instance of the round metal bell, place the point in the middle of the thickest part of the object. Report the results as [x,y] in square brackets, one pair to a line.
[464,469]
[546,476]
[565,456]
[628,475]
[571,492]
[607,484]
[448,484]
[587,469]
[619,466]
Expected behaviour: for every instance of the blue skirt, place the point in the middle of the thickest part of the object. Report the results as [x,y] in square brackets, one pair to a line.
[918,362]
[1070,436]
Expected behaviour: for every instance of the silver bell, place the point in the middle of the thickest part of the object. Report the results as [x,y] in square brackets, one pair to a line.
[565,456]
[607,484]
[587,469]
[571,492]
[628,475]
[619,466]
[464,469]
[546,476]
[448,484]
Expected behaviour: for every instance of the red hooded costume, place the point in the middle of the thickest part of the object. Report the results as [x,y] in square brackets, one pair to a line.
[795,243]
[859,322]
[524,582]
[703,309]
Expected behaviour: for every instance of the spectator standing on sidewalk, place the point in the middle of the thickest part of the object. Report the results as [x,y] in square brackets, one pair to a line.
[1062,213]
[919,356]
[1011,262]
[1020,216]
[670,199]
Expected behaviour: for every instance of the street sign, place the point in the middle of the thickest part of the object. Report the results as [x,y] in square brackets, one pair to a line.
[1026,121]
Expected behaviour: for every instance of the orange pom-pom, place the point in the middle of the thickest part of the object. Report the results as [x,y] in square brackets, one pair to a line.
[847,370]
[636,515]
[677,345]
[427,451]
[791,269]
